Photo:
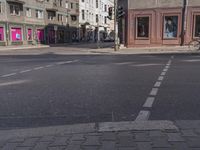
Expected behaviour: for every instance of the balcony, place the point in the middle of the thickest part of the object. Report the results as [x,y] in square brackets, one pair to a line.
[52,7]
[16,1]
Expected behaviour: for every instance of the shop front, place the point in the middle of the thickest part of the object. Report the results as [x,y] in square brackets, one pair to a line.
[154,27]
[16,34]
[2,36]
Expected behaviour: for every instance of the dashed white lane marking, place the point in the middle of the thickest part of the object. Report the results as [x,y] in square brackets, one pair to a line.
[157,84]
[154,92]
[167,67]
[49,65]
[149,102]
[13,83]
[66,62]
[41,67]
[8,75]
[38,68]
[160,78]
[163,73]
[24,71]
[165,70]
[143,115]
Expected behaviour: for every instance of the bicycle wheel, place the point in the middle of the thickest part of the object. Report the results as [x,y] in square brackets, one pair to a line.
[194,45]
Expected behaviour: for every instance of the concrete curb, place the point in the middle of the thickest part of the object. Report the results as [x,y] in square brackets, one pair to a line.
[22,48]
[88,128]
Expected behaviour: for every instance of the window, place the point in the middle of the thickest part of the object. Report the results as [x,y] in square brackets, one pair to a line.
[73,18]
[60,3]
[1,34]
[16,34]
[66,5]
[51,15]
[72,5]
[0,7]
[97,18]
[39,14]
[97,4]
[14,10]
[105,20]
[29,34]
[40,35]
[105,8]
[28,12]
[170,27]
[197,26]
[83,14]
[142,27]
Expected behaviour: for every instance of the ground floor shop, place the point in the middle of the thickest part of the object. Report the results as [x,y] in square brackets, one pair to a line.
[24,34]
[156,27]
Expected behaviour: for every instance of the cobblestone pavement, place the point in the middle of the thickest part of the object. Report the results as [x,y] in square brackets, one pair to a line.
[185,137]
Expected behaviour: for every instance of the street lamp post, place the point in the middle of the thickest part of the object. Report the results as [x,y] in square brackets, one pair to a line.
[116,46]
[98,36]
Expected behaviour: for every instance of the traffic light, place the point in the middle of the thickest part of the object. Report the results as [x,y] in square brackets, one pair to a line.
[120,12]
[110,13]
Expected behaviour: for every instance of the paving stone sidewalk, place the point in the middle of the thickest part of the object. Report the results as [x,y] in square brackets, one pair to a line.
[185,137]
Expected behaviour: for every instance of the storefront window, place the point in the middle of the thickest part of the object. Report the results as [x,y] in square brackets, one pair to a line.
[16,34]
[197,26]
[29,34]
[1,34]
[143,27]
[170,27]
[40,35]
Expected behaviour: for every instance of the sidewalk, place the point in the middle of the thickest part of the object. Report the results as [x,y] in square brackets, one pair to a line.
[144,135]
[90,49]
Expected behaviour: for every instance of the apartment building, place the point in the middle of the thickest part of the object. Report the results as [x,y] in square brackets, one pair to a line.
[159,22]
[37,21]
[93,19]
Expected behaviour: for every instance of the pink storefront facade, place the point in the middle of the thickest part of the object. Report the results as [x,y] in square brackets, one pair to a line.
[168,24]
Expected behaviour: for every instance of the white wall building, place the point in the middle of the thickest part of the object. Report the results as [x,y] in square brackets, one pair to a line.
[93,13]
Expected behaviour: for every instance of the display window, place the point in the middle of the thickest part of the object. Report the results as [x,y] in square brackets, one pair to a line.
[142,27]
[16,34]
[170,27]
[1,34]
[40,35]
[30,34]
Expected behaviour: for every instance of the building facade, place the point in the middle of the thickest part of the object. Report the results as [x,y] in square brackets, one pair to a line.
[93,19]
[159,22]
[37,21]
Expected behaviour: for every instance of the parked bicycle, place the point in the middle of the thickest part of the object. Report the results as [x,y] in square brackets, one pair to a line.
[194,45]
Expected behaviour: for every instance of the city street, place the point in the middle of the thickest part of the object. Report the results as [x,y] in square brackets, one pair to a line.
[49,89]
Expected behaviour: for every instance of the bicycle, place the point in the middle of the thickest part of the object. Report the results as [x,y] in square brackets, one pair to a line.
[194,45]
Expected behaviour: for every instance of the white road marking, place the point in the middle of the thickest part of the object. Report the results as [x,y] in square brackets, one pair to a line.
[49,65]
[8,75]
[163,73]
[160,78]
[157,84]
[13,82]
[165,70]
[143,115]
[167,67]
[149,102]
[145,65]
[154,92]
[66,62]
[38,68]
[24,71]
[124,63]
[192,60]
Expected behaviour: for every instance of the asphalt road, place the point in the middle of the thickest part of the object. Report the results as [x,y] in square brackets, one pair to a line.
[52,89]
